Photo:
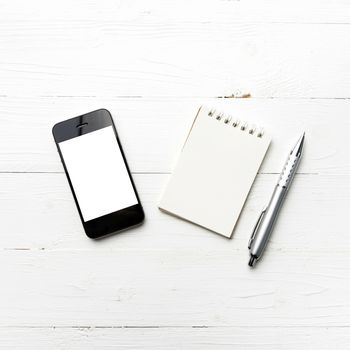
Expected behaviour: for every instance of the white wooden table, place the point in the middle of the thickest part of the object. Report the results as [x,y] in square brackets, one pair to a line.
[169,284]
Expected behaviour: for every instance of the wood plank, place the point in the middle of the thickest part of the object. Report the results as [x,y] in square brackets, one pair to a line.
[249,338]
[142,57]
[38,212]
[153,130]
[298,11]
[173,288]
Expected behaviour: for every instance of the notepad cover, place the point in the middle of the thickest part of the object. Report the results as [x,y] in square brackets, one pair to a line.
[214,173]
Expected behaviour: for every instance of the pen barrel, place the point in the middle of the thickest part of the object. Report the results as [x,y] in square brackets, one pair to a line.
[268,220]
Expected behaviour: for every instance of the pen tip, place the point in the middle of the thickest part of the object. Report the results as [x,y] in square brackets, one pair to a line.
[252,261]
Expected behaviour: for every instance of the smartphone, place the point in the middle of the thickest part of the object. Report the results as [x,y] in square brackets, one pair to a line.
[98,174]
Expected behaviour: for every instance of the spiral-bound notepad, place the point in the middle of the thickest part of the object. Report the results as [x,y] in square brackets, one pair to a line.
[215,171]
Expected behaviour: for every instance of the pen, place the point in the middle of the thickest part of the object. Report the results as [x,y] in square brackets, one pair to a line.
[268,216]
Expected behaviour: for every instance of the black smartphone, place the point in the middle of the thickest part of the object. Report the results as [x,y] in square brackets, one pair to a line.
[98,174]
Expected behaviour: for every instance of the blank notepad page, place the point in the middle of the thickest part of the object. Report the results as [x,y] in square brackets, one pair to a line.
[215,171]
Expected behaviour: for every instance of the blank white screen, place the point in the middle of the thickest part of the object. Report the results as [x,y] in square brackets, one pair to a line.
[97,171]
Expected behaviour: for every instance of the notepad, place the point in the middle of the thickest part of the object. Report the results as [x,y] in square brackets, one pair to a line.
[215,171]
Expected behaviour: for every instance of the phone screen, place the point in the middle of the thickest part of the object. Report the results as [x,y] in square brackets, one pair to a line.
[98,173]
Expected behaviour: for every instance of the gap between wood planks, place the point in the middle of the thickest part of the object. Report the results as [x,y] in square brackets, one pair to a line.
[170,327]
[163,97]
[137,172]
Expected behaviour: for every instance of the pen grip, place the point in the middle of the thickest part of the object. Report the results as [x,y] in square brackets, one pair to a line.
[267,223]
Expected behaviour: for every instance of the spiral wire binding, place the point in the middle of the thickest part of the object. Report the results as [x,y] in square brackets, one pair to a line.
[236,123]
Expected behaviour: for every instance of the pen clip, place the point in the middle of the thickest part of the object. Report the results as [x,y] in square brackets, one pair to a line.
[251,240]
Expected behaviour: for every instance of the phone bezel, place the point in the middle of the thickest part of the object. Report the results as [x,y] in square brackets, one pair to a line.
[118,220]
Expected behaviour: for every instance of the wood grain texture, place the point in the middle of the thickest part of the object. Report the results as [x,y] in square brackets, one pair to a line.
[298,11]
[169,284]
[173,288]
[156,50]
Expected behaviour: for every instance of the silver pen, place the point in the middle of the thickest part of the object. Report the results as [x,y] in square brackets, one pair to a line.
[264,226]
